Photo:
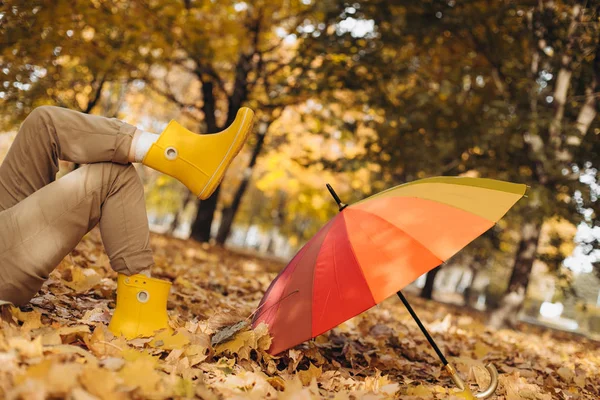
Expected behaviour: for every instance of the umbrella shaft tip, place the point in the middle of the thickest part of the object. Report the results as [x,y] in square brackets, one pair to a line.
[336,197]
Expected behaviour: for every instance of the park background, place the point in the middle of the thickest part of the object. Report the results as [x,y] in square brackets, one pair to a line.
[364,95]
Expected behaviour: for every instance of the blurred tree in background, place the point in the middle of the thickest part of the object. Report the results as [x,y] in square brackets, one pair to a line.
[365,94]
[503,90]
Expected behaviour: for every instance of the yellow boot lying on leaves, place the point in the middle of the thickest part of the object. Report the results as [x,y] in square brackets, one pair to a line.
[141,306]
[199,161]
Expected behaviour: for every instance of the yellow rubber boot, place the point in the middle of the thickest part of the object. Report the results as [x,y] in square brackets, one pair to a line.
[141,306]
[199,161]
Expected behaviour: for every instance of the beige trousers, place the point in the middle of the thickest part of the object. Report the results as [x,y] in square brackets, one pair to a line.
[43,219]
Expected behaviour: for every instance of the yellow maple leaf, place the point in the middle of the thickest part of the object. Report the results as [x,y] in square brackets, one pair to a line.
[58,379]
[103,343]
[244,342]
[170,340]
[31,320]
[419,391]
[62,378]
[139,370]
[25,347]
[35,371]
[462,394]
[311,373]
[264,339]
[196,353]
[99,381]
[83,279]
[233,346]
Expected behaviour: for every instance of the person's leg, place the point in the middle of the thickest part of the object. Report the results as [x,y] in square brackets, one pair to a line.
[52,133]
[39,231]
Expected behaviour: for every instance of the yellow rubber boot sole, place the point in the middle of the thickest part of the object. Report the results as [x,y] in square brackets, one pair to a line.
[141,306]
[199,161]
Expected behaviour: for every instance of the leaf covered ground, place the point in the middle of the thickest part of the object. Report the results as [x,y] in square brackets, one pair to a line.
[59,345]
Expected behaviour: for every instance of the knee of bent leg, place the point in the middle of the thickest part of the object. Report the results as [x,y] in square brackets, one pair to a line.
[40,116]
[128,175]
[113,175]
[42,113]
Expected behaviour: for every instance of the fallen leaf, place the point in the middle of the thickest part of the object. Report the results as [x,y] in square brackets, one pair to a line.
[31,320]
[83,279]
[25,347]
[311,373]
[227,333]
[170,340]
[140,371]
[99,382]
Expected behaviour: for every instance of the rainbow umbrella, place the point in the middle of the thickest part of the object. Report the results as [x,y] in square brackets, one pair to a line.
[374,248]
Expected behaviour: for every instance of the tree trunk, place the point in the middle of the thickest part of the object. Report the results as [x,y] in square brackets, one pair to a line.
[204,217]
[512,301]
[468,293]
[229,213]
[201,226]
[427,291]
[525,256]
[588,112]
[180,210]
[563,81]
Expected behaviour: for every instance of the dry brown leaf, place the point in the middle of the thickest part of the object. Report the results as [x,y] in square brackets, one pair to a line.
[566,374]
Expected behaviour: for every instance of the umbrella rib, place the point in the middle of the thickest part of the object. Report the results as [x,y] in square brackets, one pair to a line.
[324,308]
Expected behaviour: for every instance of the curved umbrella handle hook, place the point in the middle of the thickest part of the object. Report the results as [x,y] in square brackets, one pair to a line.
[480,395]
[493,383]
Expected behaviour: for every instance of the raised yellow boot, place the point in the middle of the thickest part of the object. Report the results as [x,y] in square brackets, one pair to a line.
[199,161]
[141,306]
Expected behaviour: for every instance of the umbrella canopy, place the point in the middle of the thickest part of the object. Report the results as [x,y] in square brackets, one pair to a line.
[374,248]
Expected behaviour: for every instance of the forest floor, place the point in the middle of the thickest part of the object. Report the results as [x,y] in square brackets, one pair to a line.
[59,345]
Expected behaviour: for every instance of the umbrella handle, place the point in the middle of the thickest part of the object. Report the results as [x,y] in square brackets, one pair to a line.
[479,395]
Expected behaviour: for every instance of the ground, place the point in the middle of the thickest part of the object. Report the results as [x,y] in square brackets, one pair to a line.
[59,346]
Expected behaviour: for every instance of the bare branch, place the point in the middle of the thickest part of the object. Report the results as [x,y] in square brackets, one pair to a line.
[92,103]
[169,95]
